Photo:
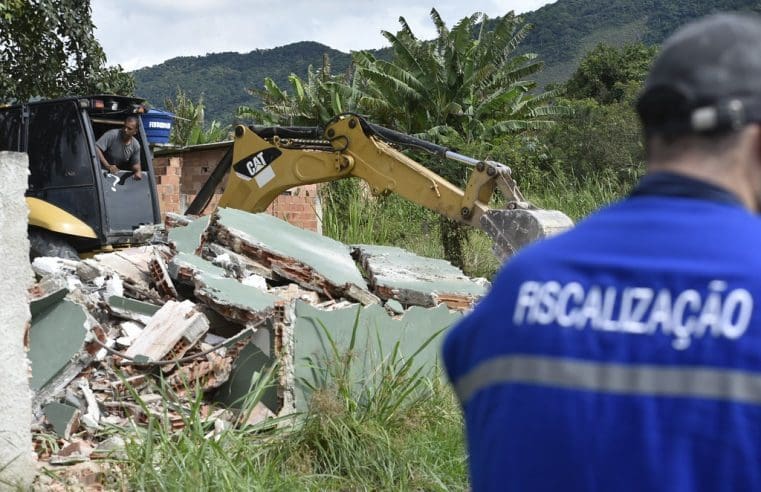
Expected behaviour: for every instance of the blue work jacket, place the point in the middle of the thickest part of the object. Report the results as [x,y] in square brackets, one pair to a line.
[622,355]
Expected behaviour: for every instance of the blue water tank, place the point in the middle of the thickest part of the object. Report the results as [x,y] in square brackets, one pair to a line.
[157,125]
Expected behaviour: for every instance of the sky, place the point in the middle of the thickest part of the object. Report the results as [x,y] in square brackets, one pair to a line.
[142,33]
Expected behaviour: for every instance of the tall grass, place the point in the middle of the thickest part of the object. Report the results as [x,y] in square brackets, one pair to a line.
[578,197]
[396,427]
[352,216]
[393,427]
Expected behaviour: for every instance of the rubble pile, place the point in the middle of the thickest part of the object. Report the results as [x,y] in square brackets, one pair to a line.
[148,332]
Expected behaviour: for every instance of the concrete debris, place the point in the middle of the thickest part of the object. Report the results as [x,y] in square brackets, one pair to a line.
[236,311]
[234,300]
[74,452]
[241,266]
[57,344]
[91,418]
[160,276]
[413,280]
[111,448]
[256,281]
[132,266]
[313,261]
[63,418]
[394,306]
[187,238]
[148,233]
[174,221]
[87,270]
[376,335]
[184,267]
[174,328]
[47,266]
[131,309]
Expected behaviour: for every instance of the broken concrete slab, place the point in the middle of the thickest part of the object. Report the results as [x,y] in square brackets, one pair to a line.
[44,266]
[172,220]
[46,294]
[187,238]
[375,337]
[395,273]
[394,306]
[74,452]
[61,346]
[293,291]
[241,266]
[132,266]
[114,448]
[233,300]
[88,270]
[63,418]
[251,364]
[131,309]
[313,261]
[56,339]
[185,266]
[174,328]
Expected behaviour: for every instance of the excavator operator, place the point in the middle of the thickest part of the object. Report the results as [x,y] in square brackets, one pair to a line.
[625,354]
[118,148]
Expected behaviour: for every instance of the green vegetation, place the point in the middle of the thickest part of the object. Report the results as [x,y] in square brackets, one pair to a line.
[47,49]
[562,30]
[574,148]
[397,427]
[460,89]
[349,215]
[591,157]
[189,126]
[314,101]
[223,78]
[562,33]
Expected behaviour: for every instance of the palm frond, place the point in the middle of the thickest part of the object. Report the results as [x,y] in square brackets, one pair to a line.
[403,50]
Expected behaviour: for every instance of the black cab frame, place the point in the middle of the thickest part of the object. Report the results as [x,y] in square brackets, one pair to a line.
[74,203]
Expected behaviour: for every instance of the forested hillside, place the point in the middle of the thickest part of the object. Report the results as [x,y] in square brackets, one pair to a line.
[563,32]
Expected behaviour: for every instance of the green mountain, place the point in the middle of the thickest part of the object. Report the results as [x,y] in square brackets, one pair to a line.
[563,32]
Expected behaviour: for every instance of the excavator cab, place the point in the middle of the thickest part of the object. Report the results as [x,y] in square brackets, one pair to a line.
[75,206]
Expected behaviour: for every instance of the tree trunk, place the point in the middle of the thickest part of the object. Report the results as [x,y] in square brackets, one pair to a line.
[453,237]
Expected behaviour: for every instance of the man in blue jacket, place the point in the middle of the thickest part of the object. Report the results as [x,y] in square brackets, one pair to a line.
[625,354]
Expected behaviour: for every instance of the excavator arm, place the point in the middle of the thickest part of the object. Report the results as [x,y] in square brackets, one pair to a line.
[266,162]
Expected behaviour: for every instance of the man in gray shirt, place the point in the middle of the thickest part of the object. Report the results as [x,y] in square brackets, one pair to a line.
[117,148]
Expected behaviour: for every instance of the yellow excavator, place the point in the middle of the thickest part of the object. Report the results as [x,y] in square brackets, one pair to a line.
[266,161]
[77,208]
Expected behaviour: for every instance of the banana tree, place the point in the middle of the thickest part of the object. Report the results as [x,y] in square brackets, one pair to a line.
[468,85]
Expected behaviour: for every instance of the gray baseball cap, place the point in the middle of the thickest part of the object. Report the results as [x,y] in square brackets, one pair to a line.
[706,79]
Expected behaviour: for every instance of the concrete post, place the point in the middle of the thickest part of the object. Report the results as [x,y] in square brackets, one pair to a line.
[17,460]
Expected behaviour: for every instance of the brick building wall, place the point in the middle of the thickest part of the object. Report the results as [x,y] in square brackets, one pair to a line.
[180,174]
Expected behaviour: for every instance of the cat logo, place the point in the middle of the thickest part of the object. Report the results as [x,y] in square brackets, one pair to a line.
[252,165]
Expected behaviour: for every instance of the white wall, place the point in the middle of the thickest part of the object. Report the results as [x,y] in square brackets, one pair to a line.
[16,277]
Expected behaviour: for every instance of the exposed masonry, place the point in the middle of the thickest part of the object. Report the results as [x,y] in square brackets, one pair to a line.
[180,174]
[313,261]
[394,273]
[229,301]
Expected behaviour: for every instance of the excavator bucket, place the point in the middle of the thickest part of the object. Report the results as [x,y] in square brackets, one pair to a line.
[512,229]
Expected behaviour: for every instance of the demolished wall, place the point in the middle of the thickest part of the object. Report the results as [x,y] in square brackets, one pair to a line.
[232,300]
[16,457]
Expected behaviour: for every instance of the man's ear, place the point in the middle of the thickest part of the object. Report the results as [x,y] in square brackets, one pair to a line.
[756,138]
